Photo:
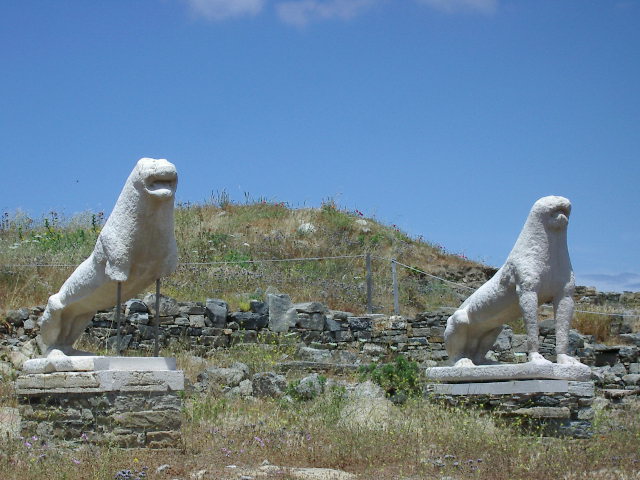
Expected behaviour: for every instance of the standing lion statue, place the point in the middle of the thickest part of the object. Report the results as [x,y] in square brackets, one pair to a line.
[538,270]
[136,246]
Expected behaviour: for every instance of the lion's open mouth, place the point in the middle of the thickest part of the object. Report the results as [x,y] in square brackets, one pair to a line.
[162,184]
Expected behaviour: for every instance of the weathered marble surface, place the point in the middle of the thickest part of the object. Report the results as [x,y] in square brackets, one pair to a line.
[136,246]
[537,270]
[504,372]
[63,363]
[580,389]
[100,381]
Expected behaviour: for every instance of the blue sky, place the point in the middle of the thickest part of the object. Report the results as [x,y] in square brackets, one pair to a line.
[448,118]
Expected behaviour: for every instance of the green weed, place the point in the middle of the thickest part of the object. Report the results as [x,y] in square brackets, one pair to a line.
[398,379]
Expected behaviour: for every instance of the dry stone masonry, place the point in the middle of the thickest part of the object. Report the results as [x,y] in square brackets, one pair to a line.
[330,337]
[120,401]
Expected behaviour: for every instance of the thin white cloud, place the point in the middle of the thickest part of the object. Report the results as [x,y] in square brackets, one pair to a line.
[302,12]
[223,9]
[461,6]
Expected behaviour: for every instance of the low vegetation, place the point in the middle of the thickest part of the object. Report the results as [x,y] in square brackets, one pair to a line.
[223,247]
[419,439]
[400,379]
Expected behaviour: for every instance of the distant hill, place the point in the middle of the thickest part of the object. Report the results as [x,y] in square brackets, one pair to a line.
[237,252]
[239,235]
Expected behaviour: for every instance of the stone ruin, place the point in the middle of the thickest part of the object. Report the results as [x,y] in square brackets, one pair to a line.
[134,401]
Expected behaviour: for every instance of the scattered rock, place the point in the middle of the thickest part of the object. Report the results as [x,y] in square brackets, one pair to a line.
[197,321]
[17,317]
[268,384]
[168,306]
[217,311]
[125,341]
[309,387]
[631,379]
[224,377]
[311,321]
[245,389]
[547,327]
[199,475]
[256,306]
[135,306]
[17,358]
[313,354]
[311,307]
[307,228]
[279,312]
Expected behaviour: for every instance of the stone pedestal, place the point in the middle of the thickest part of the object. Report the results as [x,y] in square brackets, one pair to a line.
[120,401]
[556,406]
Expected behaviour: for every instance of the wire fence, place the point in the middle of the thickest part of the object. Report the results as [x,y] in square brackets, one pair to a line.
[364,282]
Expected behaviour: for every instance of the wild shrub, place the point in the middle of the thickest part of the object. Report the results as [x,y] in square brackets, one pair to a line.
[399,378]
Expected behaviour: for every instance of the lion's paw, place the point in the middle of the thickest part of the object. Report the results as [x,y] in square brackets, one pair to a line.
[564,359]
[464,362]
[535,357]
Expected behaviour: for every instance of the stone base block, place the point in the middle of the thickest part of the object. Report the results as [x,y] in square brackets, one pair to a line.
[91,363]
[547,407]
[120,404]
[509,371]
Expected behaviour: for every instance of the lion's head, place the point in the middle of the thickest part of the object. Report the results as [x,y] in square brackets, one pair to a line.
[552,211]
[156,177]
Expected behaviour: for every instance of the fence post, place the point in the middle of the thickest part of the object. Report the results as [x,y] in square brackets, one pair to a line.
[369,284]
[156,330]
[118,318]
[394,277]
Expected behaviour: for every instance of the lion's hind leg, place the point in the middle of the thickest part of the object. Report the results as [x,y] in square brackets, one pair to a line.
[457,339]
[51,321]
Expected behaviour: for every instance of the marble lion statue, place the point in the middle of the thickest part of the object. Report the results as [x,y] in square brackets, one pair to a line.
[537,270]
[136,246]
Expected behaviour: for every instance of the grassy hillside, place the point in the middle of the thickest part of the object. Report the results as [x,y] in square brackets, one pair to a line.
[240,234]
[225,250]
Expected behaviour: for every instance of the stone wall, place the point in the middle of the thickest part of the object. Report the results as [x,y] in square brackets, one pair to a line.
[123,419]
[589,295]
[126,408]
[558,412]
[205,326]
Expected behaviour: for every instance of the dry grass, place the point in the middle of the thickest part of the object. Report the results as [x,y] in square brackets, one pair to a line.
[420,440]
[222,231]
[605,328]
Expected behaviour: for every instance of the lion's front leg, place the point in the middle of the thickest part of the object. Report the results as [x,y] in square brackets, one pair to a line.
[528,300]
[563,311]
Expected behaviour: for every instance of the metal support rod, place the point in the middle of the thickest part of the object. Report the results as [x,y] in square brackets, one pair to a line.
[369,284]
[394,277]
[156,330]
[118,318]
